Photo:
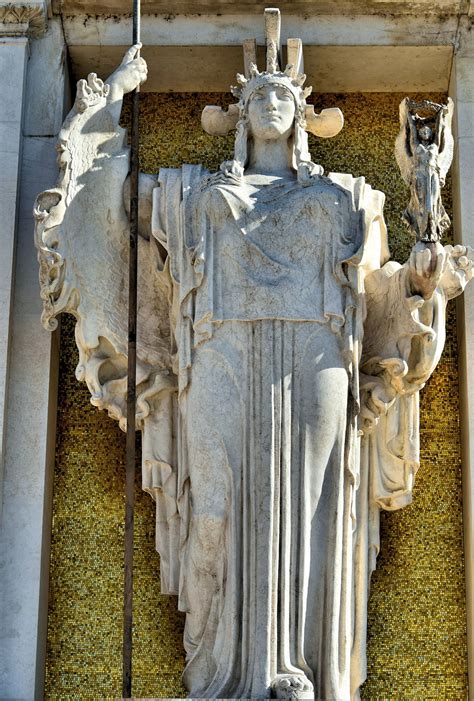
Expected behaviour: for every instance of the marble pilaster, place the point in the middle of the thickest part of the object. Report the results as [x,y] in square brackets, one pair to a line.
[462,91]
[30,120]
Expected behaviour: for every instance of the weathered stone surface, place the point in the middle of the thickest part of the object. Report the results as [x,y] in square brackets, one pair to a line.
[13,58]
[343,7]
[29,457]
[203,52]
[28,371]
[46,83]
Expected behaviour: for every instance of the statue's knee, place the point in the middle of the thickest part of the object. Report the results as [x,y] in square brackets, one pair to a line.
[207,542]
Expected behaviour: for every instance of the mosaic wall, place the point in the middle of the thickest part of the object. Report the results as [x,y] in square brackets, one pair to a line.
[417,637]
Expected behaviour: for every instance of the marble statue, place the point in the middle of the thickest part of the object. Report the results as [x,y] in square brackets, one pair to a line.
[280,358]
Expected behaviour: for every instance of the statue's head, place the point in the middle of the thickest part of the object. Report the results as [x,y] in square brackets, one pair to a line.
[270,112]
[272,104]
[425,132]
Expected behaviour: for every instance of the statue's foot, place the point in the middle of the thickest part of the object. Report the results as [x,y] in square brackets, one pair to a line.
[292,686]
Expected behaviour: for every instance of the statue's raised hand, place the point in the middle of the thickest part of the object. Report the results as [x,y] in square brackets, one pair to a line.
[129,75]
[426,266]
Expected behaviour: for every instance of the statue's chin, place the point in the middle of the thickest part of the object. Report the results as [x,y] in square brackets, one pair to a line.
[271,129]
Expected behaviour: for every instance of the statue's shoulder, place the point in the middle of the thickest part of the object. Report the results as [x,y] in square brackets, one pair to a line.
[210,190]
[322,184]
[188,175]
[209,182]
[178,184]
[331,189]
[363,195]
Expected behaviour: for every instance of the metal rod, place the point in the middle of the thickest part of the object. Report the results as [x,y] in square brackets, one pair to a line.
[131,383]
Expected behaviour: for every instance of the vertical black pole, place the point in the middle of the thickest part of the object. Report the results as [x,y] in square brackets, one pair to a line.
[131,385]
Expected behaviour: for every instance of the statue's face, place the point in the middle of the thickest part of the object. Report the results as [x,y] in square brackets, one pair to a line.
[271,112]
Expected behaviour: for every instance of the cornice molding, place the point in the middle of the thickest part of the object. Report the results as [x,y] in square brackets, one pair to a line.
[23,18]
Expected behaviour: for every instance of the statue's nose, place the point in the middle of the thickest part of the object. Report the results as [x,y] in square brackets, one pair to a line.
[271,104]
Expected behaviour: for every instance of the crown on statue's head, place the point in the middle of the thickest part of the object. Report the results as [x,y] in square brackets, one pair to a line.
[246,86]
[217,122]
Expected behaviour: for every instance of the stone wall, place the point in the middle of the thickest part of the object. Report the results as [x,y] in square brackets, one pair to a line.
[417,646]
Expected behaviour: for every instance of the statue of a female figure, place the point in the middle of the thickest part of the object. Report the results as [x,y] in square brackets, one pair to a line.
[424,151]
[280,358]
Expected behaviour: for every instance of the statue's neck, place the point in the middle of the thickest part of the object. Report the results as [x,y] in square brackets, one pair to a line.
[270,157]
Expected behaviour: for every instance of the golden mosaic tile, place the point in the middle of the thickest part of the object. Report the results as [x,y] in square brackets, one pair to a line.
[417,637]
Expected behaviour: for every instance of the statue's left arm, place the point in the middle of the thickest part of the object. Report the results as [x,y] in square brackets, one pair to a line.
[404,334]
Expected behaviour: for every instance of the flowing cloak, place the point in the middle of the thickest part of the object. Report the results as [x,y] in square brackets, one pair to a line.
[280,260]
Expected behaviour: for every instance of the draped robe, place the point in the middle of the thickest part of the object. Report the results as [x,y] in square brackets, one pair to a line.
[262,528]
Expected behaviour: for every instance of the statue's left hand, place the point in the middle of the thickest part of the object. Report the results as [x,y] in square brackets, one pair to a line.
[129,75]
[426,266]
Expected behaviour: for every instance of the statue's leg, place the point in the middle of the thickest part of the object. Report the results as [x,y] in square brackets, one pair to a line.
[326,573]
[264,426]
[313,572]
[214,450]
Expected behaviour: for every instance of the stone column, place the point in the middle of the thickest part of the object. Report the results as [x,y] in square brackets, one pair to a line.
[32,94]
[462,91]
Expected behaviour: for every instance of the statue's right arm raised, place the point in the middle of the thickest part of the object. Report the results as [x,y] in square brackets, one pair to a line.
[129,75]
[82,234]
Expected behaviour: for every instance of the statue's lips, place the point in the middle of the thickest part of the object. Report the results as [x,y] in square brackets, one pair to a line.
[273,119]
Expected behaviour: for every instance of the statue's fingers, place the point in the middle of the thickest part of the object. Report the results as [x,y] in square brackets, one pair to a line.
[459,250]
[131,53]
[82,87]
[428,262]
[423,263]
[440,261]
[95,83]
[142,64]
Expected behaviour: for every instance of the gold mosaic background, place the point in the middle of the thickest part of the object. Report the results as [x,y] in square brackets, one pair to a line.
[417,637]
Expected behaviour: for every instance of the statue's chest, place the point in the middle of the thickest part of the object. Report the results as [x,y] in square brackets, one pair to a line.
[291,232]
[275,257]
